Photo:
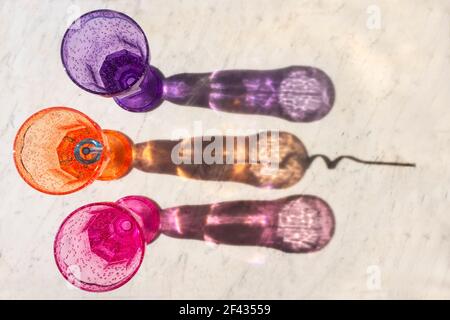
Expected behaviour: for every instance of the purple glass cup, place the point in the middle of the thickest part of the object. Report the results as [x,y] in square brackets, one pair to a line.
[106,52]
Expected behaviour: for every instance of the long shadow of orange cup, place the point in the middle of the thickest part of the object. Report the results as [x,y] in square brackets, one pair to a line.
[60,150]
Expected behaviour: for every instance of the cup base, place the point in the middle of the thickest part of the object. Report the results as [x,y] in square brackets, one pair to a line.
[146,212]
[147,95]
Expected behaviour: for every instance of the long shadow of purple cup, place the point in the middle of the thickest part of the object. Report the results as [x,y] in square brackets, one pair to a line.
[106,53]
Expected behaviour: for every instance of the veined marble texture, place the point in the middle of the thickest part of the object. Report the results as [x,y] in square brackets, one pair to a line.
[389,62]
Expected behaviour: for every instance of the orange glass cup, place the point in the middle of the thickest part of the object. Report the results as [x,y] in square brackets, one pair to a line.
[60,150]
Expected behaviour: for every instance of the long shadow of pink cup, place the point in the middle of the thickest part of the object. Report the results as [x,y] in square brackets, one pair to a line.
[100,246]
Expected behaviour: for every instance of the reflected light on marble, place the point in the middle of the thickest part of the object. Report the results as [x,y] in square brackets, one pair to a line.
[274,160]
[296,224]
[294,93]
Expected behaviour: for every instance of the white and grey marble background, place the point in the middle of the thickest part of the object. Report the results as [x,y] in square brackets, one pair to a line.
[390,63]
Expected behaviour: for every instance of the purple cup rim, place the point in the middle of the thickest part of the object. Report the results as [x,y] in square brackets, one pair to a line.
[115,206]
[61,50]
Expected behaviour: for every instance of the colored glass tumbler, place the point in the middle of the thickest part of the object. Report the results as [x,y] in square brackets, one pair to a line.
[106,53]
[60,150]
[100,246]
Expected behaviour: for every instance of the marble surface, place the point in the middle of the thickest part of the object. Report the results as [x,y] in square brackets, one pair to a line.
[390,64]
